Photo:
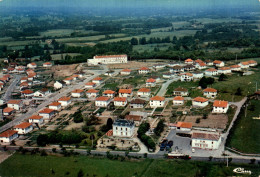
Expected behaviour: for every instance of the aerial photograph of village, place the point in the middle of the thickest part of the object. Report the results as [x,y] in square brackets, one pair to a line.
[129,88]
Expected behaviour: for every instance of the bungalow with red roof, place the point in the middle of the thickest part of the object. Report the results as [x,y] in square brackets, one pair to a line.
[68,80]
[205,140]
[109,93]
[15,104]
[125,93]
[210,92]
[252,63]
[143,70]
[23,128]
[80,74]
[36,119]
[137,103]
[218,63]
[157,101]
[144,92]
[8,136]
[47,113]
[42,93]
[92,93]
[24,79]
[150,82]
[75,77]
[177,69]
[209,62]
[201,65]
[211,72]
[55,106]
[102,101]
[27,93]
[24,85]
[126,72]
[32,65]
[186,77]
[77,93]
[180,91]
[65,101]
[220,106]
[200,102]
[97,80]
[235,68]
[120,101]
[8,111]
[184,126]
[188,61]
[90,85]
[178,100]
[4,80]
[224,70]
[47,64]
[244,65]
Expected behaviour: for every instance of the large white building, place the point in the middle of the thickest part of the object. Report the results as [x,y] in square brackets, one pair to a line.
[202,140]
[123,128]
[108,59]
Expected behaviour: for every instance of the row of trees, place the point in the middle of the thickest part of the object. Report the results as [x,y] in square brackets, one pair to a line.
[147,140]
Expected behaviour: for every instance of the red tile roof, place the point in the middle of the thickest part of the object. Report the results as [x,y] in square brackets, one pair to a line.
[126,70]
[133,117]
[68,79]
[92,91]
[200,99]
[14,101]
[8,110]
[128,91]
[157,98]
[224,68]
[235,66]
[34,64]
[120,99]
[8,133]
[211,69]
[178,98]
[188,60]
[90,83]
[23,125]
[144,68]
[77,91]
[102,98]
[144,90]
[219,103]
[55,104]
[109,92]
[251,61]
[97,79]
[27,92]
[36,117]
[184,124]
[64,98]
[47,63]
[46,111]
[205,136]
[151,80]
[217,62]
[209,90]
[245,63]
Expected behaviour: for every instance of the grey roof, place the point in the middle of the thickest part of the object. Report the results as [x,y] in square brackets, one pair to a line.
[123,122]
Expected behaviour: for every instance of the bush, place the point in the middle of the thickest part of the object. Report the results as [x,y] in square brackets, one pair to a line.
[42,139]
[43,153]
[54,150]
[159,128]
[197,120]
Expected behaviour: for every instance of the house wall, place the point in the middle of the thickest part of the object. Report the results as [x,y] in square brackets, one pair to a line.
[199,104]
[25,130]
[120,103]
[143,94]
[220,109]
[210,94]
[205,144]
[154,104]
[123,131]
[102,103]
[9,139]
[177,102]
[39,121]
[14,106]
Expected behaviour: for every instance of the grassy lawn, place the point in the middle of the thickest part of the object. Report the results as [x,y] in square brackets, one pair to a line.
[35,165]
[246,130]
[177,84]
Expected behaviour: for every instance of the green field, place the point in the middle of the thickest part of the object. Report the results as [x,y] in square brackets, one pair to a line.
[58,56]
[187,85]
[246,130]
[35,165]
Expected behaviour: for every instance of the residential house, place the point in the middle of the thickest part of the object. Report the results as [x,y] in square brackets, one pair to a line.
[177,69]
[209,62]
[143,70]
[189,67]
[109,93]
[210,93]
[68,80]
[65,101]
[32,65]
[157,101]
[120,101]
[27,93]
[47,113]
[92,93]
[235,68]
[178,100]
[137,103]
[200,102]
[36,119]
[123,128]
[184,126]
[125,93]
[168,75]
[102,101]
[55,106]
[252,63]
[218,63]
[244,65]
[150,82]
[8,111]
[42,93]
[47,64]
[8,136]
[224,70]
[144,92]
[126,72]
[15,104]
[180,91]
[203,140]
[24,86]
[220,106]
[186,77]
[23,128]
[59,84]
[90,85]
[201,65]
[197,75]
[211,72]
[97,80]
[188,61]
[80,74]
[77,93]
[158,66]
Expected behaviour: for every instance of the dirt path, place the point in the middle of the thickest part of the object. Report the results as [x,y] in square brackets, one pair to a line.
[4,155]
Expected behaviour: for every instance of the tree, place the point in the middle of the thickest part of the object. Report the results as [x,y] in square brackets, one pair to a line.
[109,123]
[134,41]
[77,117]
[159,128]
[197,120]
[222,77]
[80,173]
[42,139]
[142,41]
[239,91]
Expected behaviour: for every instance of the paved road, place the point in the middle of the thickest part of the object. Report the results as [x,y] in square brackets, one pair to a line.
[6,97]
[164,87]
[55,96]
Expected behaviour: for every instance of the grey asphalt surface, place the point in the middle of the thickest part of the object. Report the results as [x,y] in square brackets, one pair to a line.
[6,97]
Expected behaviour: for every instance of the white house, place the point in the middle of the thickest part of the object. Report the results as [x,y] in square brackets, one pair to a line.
[209,62]
[8,111]
[120,101]
[189,67]
[23,128]
[59,84]
[15,104]
[123,128]
[32,65]
[97,80]
[157,101]
[92,93]
[77,93]
[90,85]
[137,103]
[186,77]
[158,66]
[109,93]
[8,136]
[143,70]
[125,72]
[65,101]
[102,101]
[244,65]
[252,63]
[47,64]
[197,75]
[210,93]
[55,106]
[177,69]
[144,92]
[68,80]
[224,70]
[180,91]
[150,82]
[220,106]
[125,92]
[47,113]
[200,102]
[235,68]
[203,140]
[188,61]
[24,79]
[168,75]
[108,59]
[218,63]
[184,126]
[201,65]
[42,93]
[178,100]
[36,119]
[211,72]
